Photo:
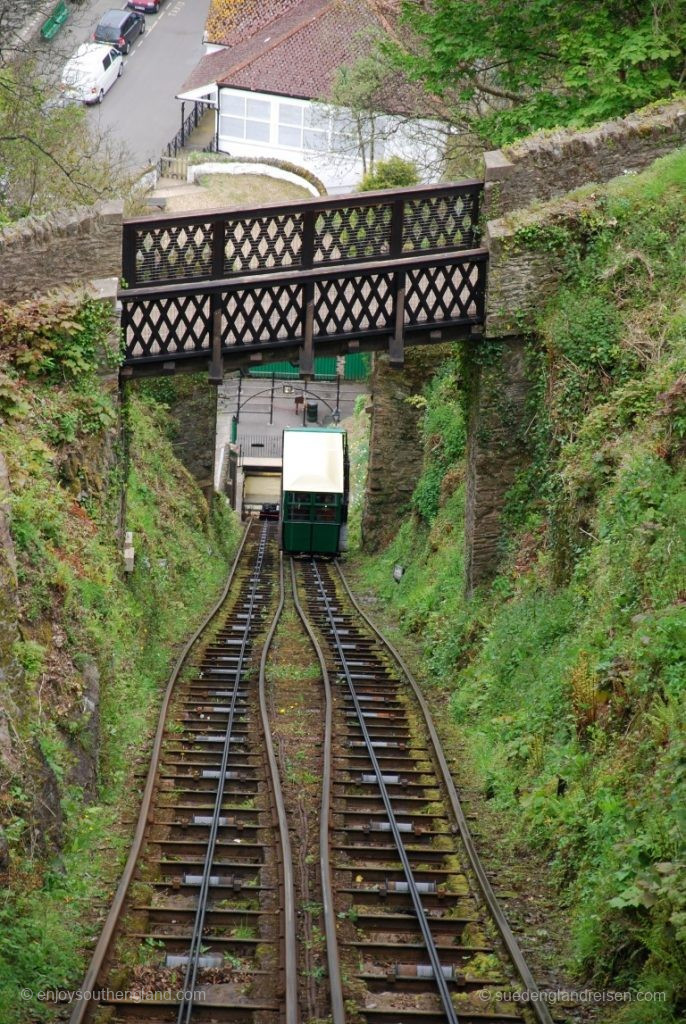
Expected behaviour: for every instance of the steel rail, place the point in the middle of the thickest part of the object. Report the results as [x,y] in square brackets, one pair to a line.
[290,938]
[102,947]
[185,1013]
[439,977]
[329,911]
[538,1005]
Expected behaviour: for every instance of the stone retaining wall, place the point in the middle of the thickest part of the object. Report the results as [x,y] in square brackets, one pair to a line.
[550,164]
[194,414]
[395,447]
[496,449]
[522,274]
[39,254]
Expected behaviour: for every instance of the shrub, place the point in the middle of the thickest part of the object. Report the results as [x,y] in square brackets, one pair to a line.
[392,173]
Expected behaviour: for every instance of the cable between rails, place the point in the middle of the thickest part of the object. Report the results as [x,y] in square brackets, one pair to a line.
[332,956]
[290,940]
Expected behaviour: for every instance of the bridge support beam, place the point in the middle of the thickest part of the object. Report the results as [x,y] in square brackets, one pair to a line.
[496,449]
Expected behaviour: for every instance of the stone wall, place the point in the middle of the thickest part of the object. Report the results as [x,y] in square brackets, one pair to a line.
[550,164]
[395,446]
[496,449]
[194,412]
[522,273]
[526,199]
[39,254]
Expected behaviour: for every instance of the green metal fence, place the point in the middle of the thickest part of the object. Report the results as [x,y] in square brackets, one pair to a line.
[357,367]
[54,23]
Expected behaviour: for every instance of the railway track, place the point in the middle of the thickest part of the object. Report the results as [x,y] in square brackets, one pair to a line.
[203,924]
[414,931]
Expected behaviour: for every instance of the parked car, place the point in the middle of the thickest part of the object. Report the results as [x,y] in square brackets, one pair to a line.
[146,6]
[92,70]
[120,29]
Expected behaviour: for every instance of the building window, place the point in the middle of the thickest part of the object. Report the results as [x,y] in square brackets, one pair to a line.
[316,129]
[304,127]
[243,117]
[307,127]
[290,125]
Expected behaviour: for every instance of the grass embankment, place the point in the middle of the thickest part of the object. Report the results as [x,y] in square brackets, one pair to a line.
[77,610]
[222,191]
[567,675]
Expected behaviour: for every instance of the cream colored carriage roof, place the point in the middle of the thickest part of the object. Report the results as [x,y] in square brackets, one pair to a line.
[313,460]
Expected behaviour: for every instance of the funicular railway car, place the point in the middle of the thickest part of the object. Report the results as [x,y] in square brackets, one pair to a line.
[314,494]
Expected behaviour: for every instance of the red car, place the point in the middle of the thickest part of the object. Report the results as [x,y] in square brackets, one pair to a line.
[146,6]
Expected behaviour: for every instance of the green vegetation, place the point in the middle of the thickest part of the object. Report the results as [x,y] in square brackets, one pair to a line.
[358,100]
[223,191]
[507,69]
[567,675]
[391,173]
[358,452]
[200,157]
[49,157]
[74,744]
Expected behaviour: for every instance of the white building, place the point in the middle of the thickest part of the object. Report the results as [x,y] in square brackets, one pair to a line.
[267,71]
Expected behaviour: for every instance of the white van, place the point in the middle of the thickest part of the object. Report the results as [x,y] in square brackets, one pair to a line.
[92,70]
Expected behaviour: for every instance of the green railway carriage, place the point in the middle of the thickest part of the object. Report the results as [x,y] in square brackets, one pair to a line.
[314,496]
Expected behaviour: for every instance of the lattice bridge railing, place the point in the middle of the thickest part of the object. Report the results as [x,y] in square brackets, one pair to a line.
[312,311]
[348,229]
[228,287]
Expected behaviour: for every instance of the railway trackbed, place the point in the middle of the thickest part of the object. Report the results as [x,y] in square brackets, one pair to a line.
[420,936]
[204,925]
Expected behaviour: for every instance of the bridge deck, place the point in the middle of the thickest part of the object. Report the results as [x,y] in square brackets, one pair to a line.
[227,288]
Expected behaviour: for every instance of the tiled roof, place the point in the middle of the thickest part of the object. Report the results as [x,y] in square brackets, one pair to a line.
[304,60]
[231,21]
[298,53]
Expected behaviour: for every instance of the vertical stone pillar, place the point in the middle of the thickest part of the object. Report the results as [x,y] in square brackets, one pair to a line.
[496,449]
[395,445]
[194,412]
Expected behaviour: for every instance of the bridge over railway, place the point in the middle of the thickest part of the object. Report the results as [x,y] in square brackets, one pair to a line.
[373,271]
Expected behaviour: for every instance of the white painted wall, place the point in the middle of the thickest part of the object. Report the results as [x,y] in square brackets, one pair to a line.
[197,170]
[305,133]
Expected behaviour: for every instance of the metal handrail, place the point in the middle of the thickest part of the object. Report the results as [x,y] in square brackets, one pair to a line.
[178,142]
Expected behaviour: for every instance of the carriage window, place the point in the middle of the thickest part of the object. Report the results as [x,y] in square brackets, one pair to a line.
[300,511]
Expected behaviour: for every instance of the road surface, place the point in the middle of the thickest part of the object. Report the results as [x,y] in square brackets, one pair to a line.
[140,112]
